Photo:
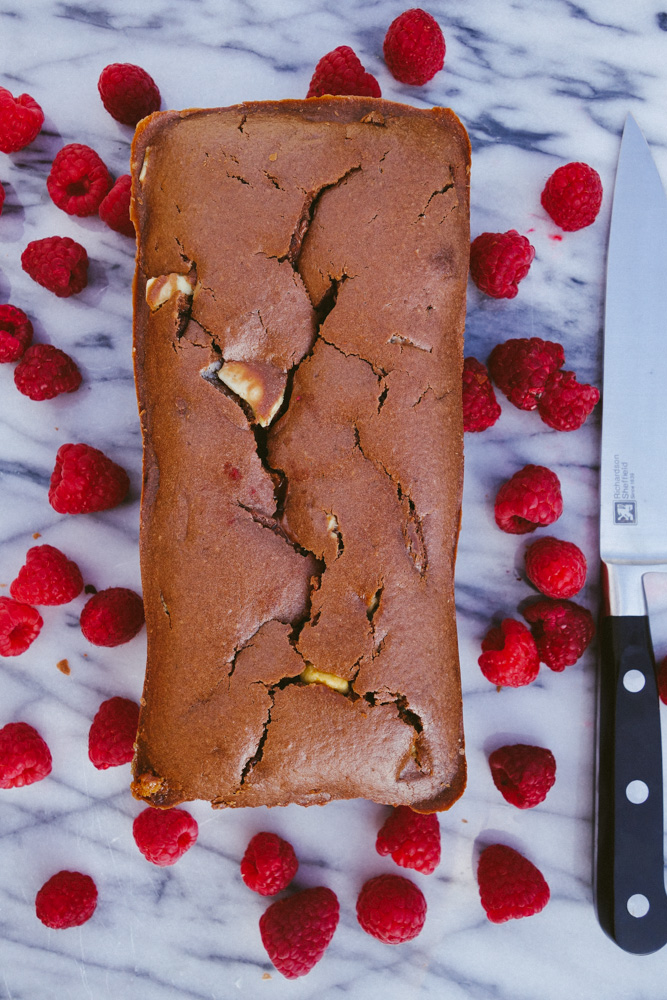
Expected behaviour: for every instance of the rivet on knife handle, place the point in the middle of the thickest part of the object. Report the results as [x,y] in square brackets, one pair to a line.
[630,890]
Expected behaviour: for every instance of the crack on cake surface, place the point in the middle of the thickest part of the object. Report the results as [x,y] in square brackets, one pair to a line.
[397,338]
[165,608]
[308,211]
[411,527]
[442,190]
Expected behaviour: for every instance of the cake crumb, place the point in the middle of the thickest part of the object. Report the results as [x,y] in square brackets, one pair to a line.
[64,667]
[267,975]
[37,534]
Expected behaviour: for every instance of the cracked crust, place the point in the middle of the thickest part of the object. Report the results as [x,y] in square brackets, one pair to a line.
[313,256]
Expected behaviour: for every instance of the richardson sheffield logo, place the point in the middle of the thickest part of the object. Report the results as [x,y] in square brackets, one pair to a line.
[625,512]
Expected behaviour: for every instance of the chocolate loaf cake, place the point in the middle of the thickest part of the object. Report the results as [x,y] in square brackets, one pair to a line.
[299,310]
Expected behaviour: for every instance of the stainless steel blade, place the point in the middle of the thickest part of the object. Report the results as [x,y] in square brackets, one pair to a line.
[633,475]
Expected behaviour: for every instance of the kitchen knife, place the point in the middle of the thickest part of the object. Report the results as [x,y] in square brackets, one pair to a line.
[630,886]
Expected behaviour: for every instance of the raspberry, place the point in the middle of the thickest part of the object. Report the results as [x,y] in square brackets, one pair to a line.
[19,626]
[391,908]
[15,333]
[572,196]
[561,629]
[412,839]
[510,886]
[296,931]
[269,864]
[555,567]
[21,118]
[523,774]
[414,47]
[499,261]
[520,368]
[531,498]
[112,616]
[113,732]
[84,480]
[68,899]
[480,406]
[164,835]
[115,207]
[564,403]
[341,72]
[44,372]
[78,180]
[509,655]
[47,578]
[128,92]
[24,756]
[661,678]
[58,263]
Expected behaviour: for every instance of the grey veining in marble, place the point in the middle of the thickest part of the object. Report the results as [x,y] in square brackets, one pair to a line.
[537,83]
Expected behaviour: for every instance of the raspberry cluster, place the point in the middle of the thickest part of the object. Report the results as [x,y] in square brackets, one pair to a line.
[413,49]
[528,371]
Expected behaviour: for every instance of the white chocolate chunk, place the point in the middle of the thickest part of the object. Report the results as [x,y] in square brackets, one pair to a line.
[311,675]
[159,290]
[251,382]
[144,166]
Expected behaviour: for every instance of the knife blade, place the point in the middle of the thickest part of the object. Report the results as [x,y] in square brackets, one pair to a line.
[630,887]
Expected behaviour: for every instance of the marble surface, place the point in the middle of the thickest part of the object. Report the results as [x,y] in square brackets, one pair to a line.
[537,83]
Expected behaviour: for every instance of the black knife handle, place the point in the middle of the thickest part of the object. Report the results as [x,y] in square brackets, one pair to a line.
[630,855]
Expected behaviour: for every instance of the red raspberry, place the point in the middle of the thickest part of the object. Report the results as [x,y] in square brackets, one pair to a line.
[47,578]
[19,626]
[414,47]
[296,931]
[164,835]
[561,629]
[21,118]
[523,774]
[499,261]
[564,403]
[269,864]
[531,498]
[78,180]
[128,92]
[555,567]
[391,908]
[662,680]
[15,333]
[113,732]
[68,899]
[44,372]
[509,655]
[24,756]
[480,406]
[340,72]
[112,616]
[521,367]
[115,207]
[84,480]
[510,886]
[412,839]
[572,196]
[58,263]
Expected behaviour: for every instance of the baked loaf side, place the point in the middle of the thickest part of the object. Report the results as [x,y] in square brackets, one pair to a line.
[299,311]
